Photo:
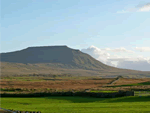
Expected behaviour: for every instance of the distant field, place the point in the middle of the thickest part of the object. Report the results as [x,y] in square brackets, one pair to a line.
[138,84]
[51,83]
[131,81]
[140,103]
[38,84]
[79,104]
[142,93]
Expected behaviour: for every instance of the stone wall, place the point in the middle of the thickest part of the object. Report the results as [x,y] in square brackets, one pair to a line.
[85,94]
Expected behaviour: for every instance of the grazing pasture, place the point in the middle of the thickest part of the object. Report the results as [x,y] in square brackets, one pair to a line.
[140,103]
[142,93]
[68,104]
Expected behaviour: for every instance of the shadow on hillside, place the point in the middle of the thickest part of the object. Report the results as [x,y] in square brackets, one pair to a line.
[144,83]
[76,99]
[128,99]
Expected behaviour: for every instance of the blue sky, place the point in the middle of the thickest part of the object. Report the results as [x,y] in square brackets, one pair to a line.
[75,23]
[78,23]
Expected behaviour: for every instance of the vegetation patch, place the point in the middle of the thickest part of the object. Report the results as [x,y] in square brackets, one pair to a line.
[142,93]
[138,84]
[69,104]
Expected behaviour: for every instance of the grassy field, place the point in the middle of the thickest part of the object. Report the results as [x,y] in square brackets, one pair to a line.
[137,84]
[142,93]
[140,103]
[79,104]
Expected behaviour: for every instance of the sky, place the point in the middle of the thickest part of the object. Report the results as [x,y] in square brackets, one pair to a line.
[115,32]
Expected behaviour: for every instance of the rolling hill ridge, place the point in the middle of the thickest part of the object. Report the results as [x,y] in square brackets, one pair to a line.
[58,59]
[54,54]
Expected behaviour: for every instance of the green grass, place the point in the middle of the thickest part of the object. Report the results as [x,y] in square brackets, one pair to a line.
[8,90]
[138,84]
[79,104]
[142,93]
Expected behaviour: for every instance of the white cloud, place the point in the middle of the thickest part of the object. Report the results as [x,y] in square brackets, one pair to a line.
[143,49]
[97,53]
[127,58]
[144,8]
[128,62]
[121,49]
[138,63]
[135,65]
[141,8]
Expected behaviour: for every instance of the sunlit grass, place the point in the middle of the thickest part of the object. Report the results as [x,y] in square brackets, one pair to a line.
[137,84]
[79,104]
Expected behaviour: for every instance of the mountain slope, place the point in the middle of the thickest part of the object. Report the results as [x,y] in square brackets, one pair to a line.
[54,54]
[58,59]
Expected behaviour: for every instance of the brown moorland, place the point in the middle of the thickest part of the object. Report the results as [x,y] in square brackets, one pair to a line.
[55,84]
[18,86]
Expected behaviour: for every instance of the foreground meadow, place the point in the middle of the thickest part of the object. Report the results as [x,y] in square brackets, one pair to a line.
[132,104]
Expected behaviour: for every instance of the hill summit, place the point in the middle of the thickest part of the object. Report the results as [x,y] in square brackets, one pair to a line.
[70,58]
[59,60]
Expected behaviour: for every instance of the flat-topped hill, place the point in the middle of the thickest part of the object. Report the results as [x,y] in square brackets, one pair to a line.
[58,59]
